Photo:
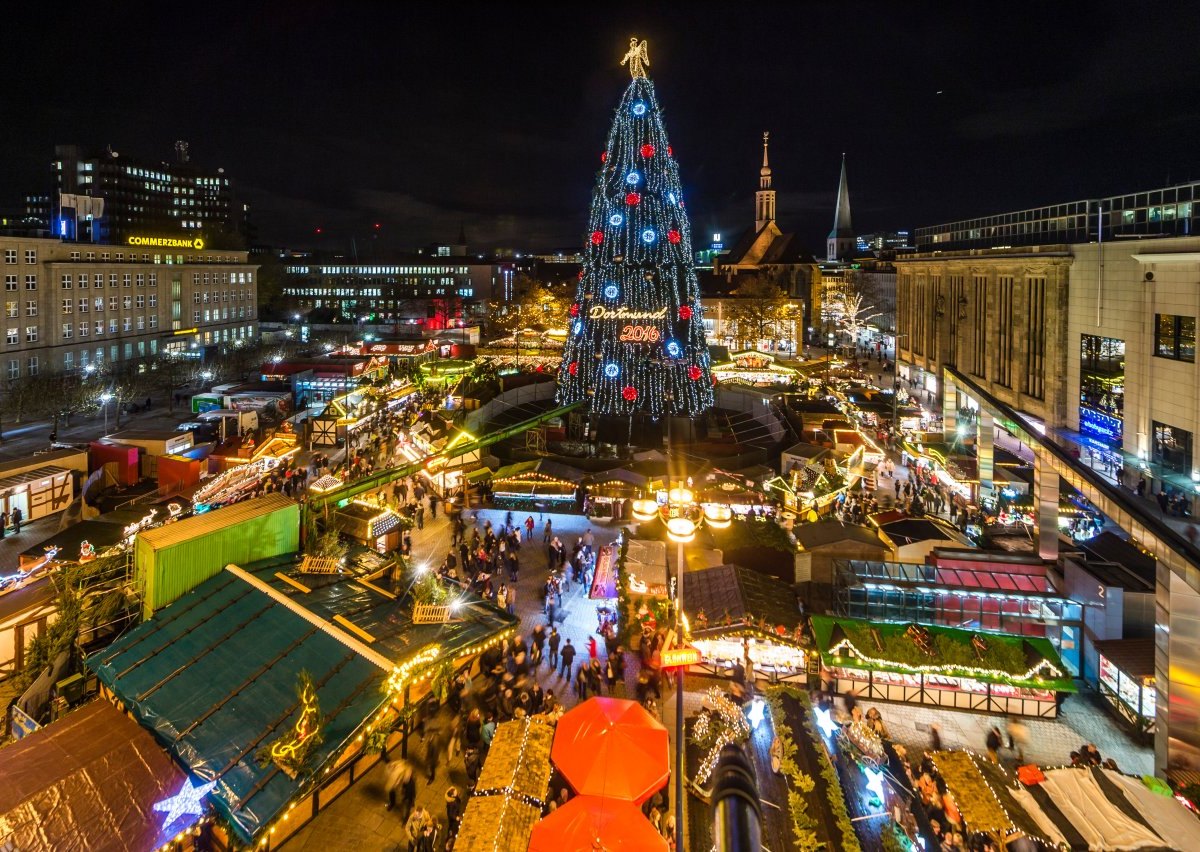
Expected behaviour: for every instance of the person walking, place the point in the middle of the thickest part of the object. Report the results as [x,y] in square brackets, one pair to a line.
[568,657]
[471,763]
[547,533]
[420,516]
[395,773]
[3,523]
[529,528]
[433,753]
[453,810]
[552,641]
[17,517]
[415,827]
[993,742]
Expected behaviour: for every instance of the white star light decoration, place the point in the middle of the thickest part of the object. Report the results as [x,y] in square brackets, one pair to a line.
[825,723]
[874,781]
[188,801]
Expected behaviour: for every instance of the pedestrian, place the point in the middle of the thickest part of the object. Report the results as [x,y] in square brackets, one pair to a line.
[420,516]
[502,598]
[552,641]
[529,528]
[593,650]
[547,532]
[453,810]
[993,744]
[617,661]
[568,657]
[581,682]
[395,773]
[17,517]
[512,599]
[610,677]
[471,763]
[415,827]
[433,501]
[935,738]
[3,523]
[433,754]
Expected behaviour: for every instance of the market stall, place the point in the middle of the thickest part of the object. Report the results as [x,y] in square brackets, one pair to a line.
[374,526]
[757,369]
[1126,669]
[942,666]
[95,779]
[511,789]
[743,617]
[526,484]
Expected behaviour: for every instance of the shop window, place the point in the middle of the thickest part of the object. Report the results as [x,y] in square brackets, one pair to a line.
[1173,448]
[1175,337]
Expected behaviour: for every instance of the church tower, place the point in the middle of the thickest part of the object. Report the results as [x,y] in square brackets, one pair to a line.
[840,244]
[764,199]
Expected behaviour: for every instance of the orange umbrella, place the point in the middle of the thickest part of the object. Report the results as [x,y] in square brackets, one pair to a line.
[612,747]
[594,823]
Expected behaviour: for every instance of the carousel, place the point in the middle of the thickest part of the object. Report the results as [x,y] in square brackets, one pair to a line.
[757,369]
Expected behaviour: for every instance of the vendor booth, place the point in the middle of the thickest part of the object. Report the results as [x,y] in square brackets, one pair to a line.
[941,666]
[742,616]
[376,527]
[281,682]
[758,369]
[511,789]
[94,779]
[1126,669]
[526,484]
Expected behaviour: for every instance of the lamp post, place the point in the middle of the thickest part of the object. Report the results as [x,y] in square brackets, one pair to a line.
[104,398]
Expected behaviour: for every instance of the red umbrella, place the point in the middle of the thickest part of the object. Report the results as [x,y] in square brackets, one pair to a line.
[594,823]
[612,747]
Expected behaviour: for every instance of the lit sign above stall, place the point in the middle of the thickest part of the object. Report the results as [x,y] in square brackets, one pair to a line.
[1099,425]
[673,657]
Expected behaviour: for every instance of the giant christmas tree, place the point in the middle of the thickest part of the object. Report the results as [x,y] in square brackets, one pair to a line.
[636,340]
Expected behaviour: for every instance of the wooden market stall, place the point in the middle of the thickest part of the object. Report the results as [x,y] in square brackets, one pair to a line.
[942,666]
[743,616]
[525,484]
[511,790]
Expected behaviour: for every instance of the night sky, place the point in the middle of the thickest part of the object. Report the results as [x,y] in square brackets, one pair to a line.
[340,116]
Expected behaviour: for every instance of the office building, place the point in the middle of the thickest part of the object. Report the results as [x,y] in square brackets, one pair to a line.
[69,305]
[107,197]
[1080,318]
[416,294]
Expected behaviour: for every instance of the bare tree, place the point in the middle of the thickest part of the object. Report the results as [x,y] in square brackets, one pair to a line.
[761,310]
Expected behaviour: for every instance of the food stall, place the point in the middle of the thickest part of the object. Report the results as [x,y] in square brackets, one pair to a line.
[1126,669]
[738,615]
[374,526]
[757,369]
[941,666]
[524,485]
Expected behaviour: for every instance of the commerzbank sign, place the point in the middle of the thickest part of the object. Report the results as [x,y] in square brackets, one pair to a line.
[167,242]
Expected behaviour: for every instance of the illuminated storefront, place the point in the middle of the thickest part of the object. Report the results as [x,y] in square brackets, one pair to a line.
[1127,679]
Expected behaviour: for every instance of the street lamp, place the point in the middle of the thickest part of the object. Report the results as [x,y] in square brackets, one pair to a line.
[104,398]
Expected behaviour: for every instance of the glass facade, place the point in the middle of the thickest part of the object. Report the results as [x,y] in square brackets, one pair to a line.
[1173,448]
[1170,211]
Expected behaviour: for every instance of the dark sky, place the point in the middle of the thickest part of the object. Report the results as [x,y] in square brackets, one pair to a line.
[341,115]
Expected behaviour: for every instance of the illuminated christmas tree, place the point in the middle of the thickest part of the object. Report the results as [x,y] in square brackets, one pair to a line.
[635,342]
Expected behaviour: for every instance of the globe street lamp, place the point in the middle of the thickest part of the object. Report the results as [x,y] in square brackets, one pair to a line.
[104,398]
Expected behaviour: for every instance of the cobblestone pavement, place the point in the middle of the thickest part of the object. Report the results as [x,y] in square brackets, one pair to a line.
[1051,741]
[357,820]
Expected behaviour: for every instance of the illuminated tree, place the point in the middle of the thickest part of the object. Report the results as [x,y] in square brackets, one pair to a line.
[762,311]
[636,340]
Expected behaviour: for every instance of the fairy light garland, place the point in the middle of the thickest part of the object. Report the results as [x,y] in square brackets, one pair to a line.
[1032,675]
[736,729]
[639,344]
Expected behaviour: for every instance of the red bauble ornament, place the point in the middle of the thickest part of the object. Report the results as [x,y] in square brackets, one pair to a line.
[604,156]
[632,198]
[630,393]
[573,368]
[685,312]
[694,372]
[597,237]
[575,310]
[647,151]
[670,151]
[674,236]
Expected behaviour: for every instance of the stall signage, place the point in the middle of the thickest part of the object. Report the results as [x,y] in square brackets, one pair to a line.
[22,723]
[687,656]
[1100,425]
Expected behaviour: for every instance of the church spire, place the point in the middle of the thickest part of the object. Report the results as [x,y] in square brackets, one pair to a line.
[764,199]
[840,243]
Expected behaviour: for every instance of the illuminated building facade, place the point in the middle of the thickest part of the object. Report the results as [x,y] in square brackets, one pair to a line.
[71,305]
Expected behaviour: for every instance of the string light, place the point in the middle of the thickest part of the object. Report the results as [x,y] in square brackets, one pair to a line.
[1033,674]
[736,729]
[645,252]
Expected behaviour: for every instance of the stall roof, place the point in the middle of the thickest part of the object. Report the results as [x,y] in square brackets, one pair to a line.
[909,530]
[199,525]
[99,534]
[1009,659]
[739,591]
[88,781]
[823,533]
[546,467]
[985,578]
[1135,657]
[31,476]
[47,459]
[1109,547]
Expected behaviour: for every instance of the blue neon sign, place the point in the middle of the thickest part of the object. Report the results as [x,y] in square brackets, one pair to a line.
[1099,425]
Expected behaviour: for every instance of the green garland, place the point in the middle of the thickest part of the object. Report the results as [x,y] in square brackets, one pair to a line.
[832,784]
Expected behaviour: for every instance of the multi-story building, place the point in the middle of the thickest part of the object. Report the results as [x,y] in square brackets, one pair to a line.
[68,305]
[107,197]
[419,292]
[1083,315]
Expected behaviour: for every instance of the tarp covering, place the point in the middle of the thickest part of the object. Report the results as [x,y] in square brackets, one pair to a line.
[1103,824]
[214,677]
[87,782]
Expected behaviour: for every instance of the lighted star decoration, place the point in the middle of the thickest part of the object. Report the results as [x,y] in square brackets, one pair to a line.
[755,713]
[825,723]
[874,782]
[188,801]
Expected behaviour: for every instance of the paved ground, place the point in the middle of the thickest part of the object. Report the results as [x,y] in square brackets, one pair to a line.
[358,820]
[1051,741]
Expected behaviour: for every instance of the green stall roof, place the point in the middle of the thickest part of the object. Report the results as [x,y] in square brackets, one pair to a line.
[1009,659]
[213,675]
